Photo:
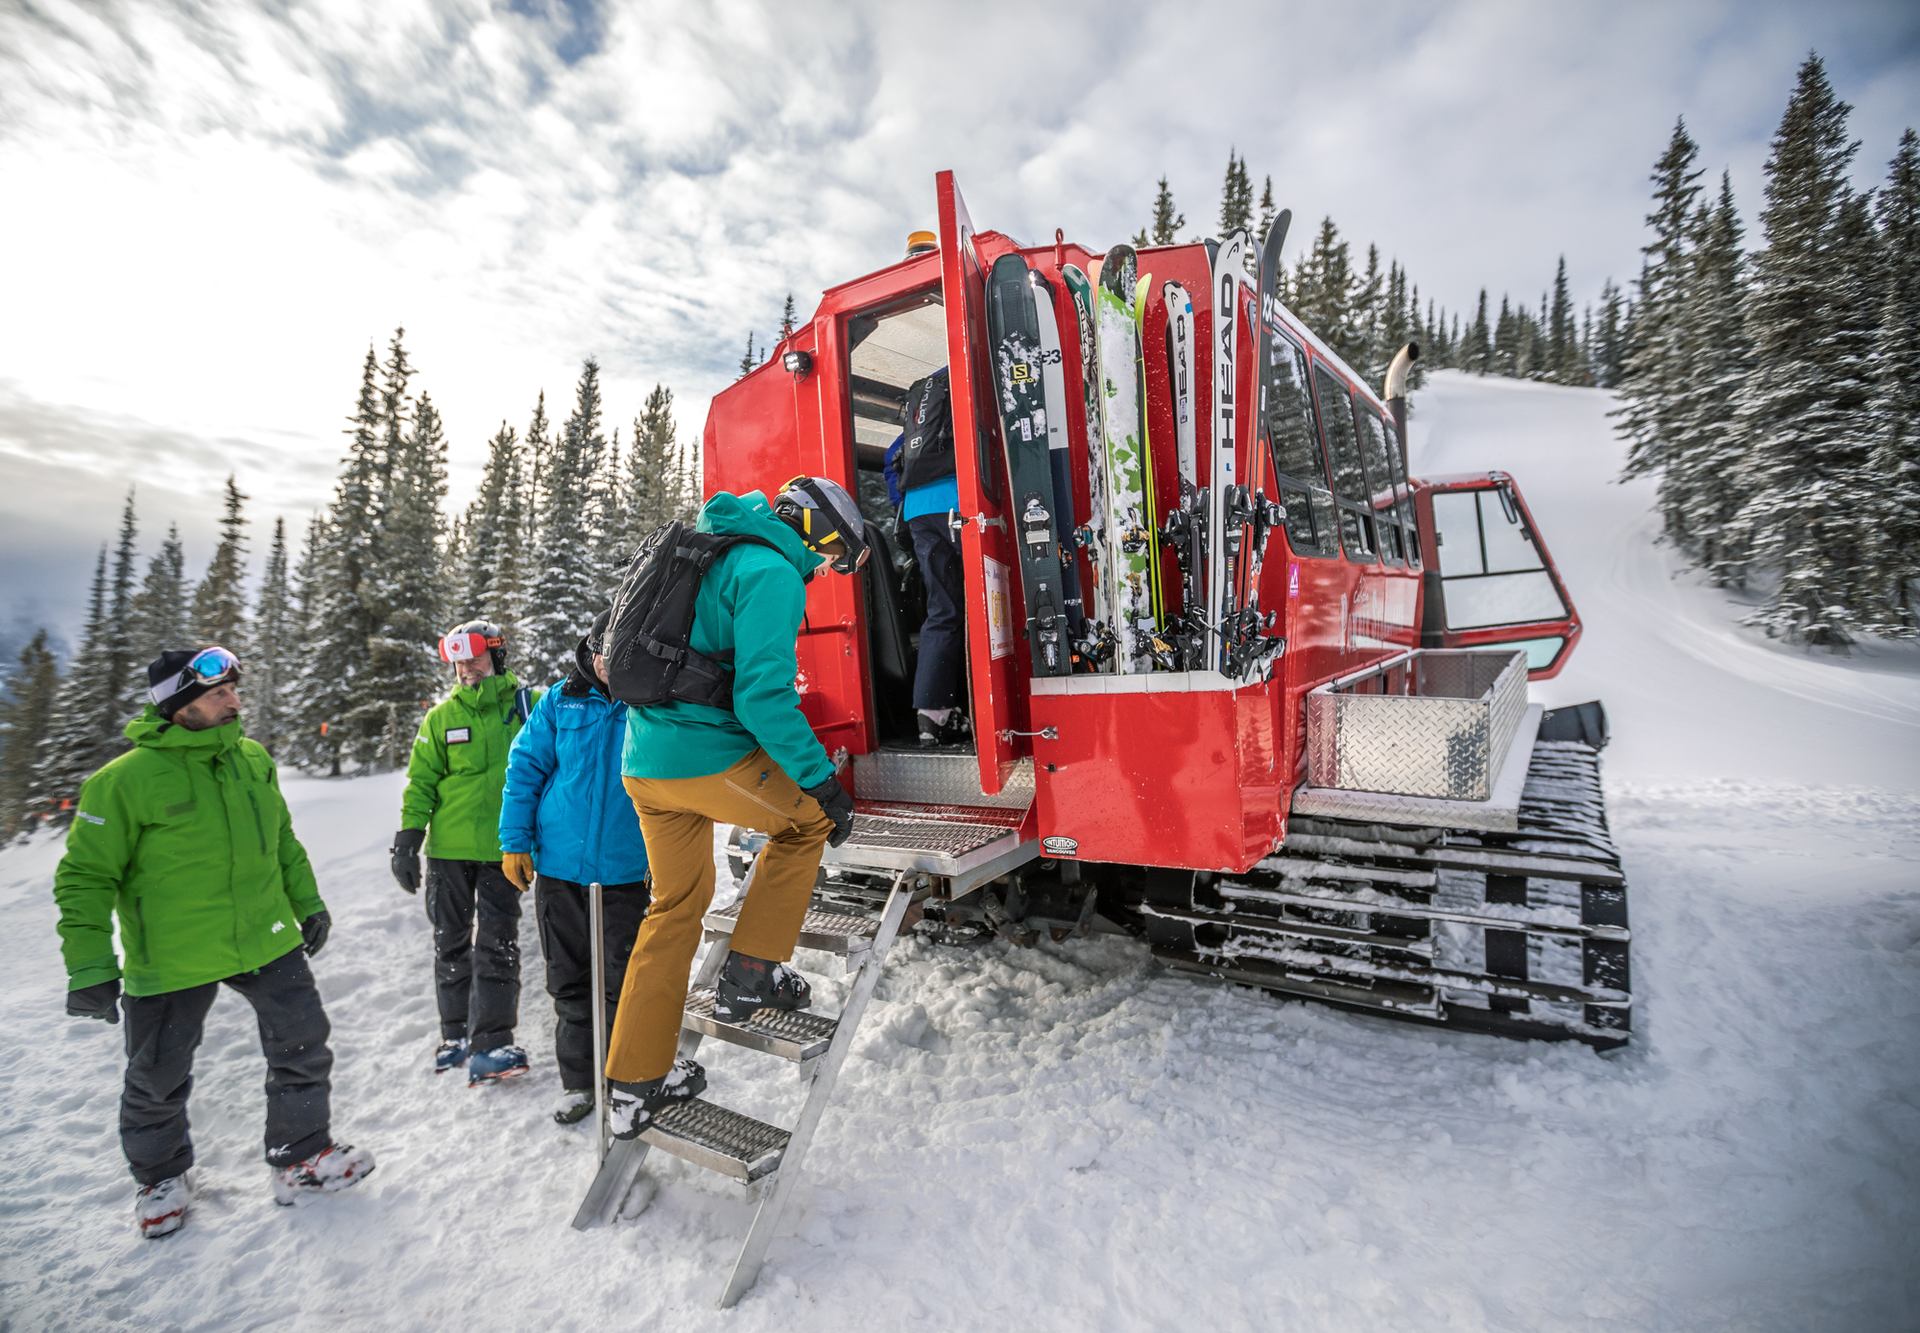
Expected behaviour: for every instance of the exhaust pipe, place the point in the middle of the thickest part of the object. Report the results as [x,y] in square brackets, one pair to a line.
[1396,394]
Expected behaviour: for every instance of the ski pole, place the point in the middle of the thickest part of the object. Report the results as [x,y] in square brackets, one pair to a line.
[596,928]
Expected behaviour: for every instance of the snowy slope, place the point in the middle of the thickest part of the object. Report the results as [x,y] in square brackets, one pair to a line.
[1069,1138]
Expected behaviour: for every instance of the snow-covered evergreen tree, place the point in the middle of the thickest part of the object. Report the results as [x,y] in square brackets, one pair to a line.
[485,526]
[1563,344]
[1609,346]
[569,590]
[1655,355]
[655,490]
[1323,293]
[747,359]
[1166,224]
[1477,356]
[303,743]
[1236,196]
[26,730]
[1806,438]
[220,602]
[1701,486]
[160,615]
[87,716]
[274,651]
[1268,211]
[1892,595]
[123,674]
[787,318]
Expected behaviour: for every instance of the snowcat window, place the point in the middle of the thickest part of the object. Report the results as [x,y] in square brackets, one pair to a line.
[1490,570]
[1297,459]
[1349,477]
[1373,448]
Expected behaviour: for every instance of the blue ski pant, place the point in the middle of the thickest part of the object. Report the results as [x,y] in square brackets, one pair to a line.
[943,635]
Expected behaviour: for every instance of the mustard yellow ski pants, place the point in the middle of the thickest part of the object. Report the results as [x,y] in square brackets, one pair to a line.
[677,816]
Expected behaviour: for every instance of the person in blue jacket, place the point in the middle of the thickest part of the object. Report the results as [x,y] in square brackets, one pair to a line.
[566,823]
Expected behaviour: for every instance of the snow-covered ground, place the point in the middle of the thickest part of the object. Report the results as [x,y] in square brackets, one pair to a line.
[1068,1137]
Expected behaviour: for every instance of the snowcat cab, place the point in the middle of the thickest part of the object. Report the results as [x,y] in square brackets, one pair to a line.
[1372,814]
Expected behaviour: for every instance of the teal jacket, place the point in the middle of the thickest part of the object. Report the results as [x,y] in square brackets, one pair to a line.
[187,839]
[751,604]
[458,769]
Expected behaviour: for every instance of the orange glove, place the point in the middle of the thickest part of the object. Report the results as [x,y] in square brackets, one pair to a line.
[518,867]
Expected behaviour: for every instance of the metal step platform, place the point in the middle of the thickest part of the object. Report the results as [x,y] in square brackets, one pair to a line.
[965,846]
[725,1141]
[797,1036]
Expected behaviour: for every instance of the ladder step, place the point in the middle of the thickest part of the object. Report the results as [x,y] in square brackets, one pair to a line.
[792,1036]
[827,931]
[726,1141]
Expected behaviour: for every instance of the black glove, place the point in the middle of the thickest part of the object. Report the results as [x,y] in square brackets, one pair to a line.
[406,858]
[314,931]
[101,1000]
[837,805]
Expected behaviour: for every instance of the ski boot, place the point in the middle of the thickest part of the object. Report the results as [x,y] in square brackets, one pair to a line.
[747,985]
[328,1171]
[450,1055]
[161,1208]
[632,1106]
[573,1107]
[496,1064]
[954,730]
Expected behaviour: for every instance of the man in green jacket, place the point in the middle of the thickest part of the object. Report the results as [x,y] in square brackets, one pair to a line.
[455,776]
[755,763]
[187,839]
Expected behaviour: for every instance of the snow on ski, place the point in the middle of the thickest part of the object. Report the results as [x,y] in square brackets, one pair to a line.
[1129,598]
[1150,500]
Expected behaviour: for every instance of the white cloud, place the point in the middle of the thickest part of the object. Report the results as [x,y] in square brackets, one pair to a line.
[212,208]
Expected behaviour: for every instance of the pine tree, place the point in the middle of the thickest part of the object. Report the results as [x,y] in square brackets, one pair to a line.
[340,617]
[1268,211]
[1165,228]
[1323,294]
[1609,346]
[1369,313]
[1478,356]
[607,517]
[83,733]
[747,361]
[1893,543]
[787,317]
[160,615]
[1700,489]
[1563,348]
[570,591]
[655,490]
[1506,338]
[220,602]
[1655,356]
[303,742]
[123,662]
[26,729]
[404,585]
[275,651]
[1805,439]
[485,525]
[1236,196]
[1393,332]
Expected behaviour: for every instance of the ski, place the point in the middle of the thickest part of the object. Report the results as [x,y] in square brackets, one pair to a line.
[1150,500]
[1014,327]
[1184,517]
[1129,598]
[1093,533]
[1227,501]
[1053,385]
[1247,645]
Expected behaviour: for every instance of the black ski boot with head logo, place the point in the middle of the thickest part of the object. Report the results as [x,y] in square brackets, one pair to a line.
[748,985]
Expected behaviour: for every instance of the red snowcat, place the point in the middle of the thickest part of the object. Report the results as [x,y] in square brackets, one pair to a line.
[1371,814]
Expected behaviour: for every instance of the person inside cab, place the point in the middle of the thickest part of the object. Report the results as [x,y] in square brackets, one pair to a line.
[921,481]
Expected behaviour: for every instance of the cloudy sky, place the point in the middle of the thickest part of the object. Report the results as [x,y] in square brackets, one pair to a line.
[209,209]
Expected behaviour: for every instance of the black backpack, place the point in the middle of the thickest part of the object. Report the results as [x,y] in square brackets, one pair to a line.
[926,453]
[649,657]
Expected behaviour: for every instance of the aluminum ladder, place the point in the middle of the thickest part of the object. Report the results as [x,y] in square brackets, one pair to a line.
[726,1141]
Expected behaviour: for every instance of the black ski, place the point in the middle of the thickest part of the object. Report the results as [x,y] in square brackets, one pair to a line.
[1246,644]
[1013,325]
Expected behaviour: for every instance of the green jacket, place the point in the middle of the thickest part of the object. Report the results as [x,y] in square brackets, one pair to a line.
[187,837]
[459,768]
[751,604]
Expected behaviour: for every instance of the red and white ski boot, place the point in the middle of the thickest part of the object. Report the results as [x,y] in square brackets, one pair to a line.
[161,1208]
[328,1171]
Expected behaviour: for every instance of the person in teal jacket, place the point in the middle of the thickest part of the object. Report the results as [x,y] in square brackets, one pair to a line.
[187,840]
[688,765]
[565,824]
[455,776]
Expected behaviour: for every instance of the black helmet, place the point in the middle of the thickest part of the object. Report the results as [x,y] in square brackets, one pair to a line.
[468,639]
[827,520]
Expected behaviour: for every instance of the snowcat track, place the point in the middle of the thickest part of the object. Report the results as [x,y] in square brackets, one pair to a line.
[1522,934]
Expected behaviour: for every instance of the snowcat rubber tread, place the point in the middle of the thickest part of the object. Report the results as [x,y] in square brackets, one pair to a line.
[796,1035]
[1377,916]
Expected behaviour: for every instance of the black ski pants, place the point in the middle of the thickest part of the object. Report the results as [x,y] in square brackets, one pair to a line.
[943,635]
[163,1031]
[475,911]
[564,911]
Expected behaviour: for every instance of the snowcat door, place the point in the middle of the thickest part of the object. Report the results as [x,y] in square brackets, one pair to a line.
[986,539]
[1490,581]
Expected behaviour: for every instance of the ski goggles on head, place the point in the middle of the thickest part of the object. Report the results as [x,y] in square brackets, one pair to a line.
[821,527]
[210,666]
[466,647]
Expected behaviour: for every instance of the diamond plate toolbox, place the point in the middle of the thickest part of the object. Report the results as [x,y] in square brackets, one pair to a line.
[1426,723]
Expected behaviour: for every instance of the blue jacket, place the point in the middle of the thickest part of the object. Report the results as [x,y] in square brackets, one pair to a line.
[564,802]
